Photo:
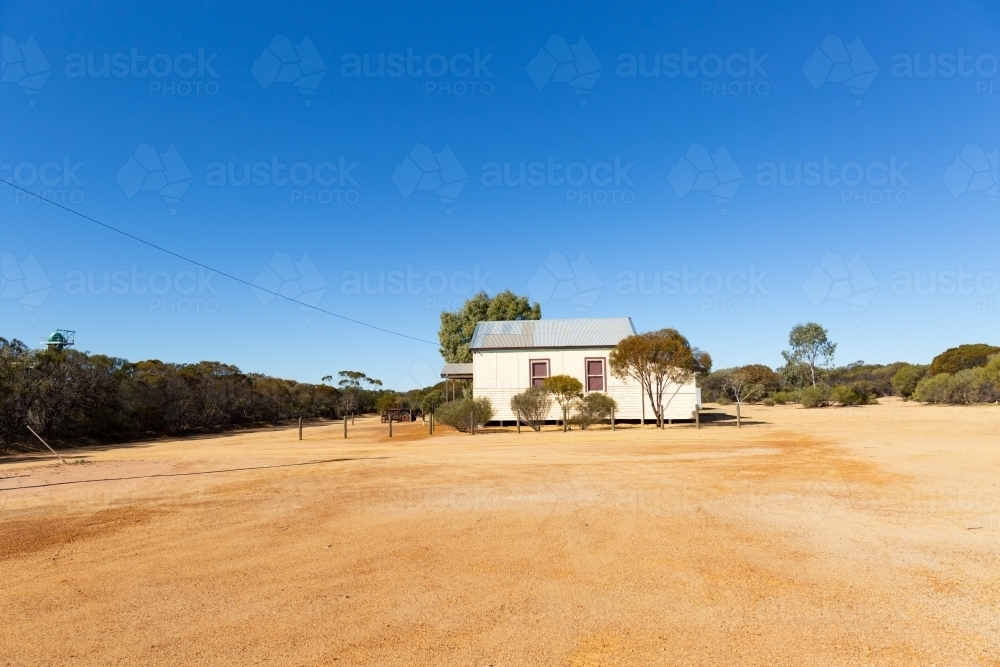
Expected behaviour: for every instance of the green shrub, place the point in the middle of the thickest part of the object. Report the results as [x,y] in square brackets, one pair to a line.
[782,397]
[532,406]
[876,376]
[460,413]
[989,380]
[432,401]
[712,385]
[846,395]
[906,378]
[768,402]
[388,401]
[932,389]
[814,397]
[960,358]
[965,386]
[592,409]
[722,399]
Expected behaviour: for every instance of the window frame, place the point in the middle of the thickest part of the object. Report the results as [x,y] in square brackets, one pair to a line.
[531,370]
[603,376]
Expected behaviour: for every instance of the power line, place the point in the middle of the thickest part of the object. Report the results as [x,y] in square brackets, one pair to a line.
[205,266]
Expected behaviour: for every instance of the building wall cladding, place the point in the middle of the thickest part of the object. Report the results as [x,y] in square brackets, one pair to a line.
[500,374]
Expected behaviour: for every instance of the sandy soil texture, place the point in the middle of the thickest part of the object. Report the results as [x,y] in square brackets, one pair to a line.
[840,536]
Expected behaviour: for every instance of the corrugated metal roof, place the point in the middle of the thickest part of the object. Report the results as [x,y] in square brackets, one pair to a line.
[534,334]
[454,370]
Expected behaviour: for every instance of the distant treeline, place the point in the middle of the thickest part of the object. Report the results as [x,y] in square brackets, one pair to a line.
[72,395]
[960,375]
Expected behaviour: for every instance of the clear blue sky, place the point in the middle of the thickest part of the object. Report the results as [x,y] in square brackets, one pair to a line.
[391,139]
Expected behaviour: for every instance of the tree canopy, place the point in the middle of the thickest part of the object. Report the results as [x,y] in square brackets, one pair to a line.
[532,406]
[959,358]
[355,380]
[566,389]
[811,348]
[72,394]
[432,401]
[747,383]
[457,327]
[656,360]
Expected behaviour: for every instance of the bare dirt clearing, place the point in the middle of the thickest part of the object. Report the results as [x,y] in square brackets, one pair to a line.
[837,536]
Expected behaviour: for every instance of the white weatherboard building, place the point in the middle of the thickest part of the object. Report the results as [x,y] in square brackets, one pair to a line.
[508,357]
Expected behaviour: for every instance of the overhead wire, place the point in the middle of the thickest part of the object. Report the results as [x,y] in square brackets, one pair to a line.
[210,268]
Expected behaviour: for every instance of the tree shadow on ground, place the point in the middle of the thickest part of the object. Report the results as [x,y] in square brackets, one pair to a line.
[28,451]
[192,473]
[715,418]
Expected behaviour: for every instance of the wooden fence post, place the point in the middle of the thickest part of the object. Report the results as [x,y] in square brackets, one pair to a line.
[612,419]
[46,444]
[300,427]
[345,426]
[390,424]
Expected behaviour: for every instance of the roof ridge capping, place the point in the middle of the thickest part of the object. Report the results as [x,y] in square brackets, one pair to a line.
[557,333]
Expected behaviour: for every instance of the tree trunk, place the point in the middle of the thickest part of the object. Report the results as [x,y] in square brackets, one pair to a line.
[739,424]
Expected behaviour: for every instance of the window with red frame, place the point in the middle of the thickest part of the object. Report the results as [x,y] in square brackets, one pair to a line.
[539,371]
[595,374]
